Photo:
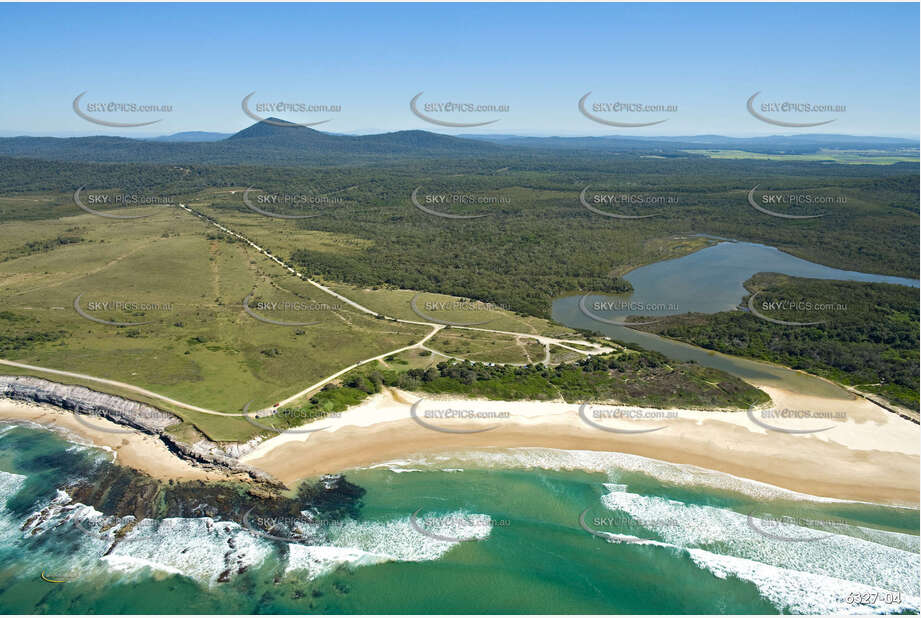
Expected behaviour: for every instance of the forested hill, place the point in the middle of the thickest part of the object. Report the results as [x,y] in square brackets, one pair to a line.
[277,142]
[268,142]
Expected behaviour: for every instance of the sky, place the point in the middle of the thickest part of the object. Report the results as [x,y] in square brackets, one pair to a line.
[539,60]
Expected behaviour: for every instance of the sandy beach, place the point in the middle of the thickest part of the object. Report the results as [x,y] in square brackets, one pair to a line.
[133,449]
[862,453]
[866,454]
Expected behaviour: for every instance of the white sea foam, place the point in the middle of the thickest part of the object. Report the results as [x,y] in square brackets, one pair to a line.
[209,550]
[613,464]
[318,560]
[9,484]
[897,540]
[813,573]
[797,592]
[201,548]
[396,466]
[361,543]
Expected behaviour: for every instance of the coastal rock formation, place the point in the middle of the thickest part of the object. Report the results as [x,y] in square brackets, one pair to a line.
[73,398]
[136,415]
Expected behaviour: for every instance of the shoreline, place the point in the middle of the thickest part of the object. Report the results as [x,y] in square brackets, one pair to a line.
[131,448]
[872,456]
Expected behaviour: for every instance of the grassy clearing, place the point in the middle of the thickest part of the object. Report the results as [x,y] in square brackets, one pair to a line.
[852,157]
[284,237]
[181,284]
[479,346]
[562,355]
[397,303]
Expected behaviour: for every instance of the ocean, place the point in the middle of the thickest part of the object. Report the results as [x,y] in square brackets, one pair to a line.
[489,531]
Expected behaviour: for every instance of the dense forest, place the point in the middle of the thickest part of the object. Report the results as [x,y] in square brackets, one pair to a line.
[537,240]
[868,335]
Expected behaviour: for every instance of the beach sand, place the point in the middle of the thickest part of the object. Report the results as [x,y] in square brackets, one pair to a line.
[870,454]
[131,448]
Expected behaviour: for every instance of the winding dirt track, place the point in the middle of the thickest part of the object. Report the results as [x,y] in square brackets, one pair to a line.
[596,349]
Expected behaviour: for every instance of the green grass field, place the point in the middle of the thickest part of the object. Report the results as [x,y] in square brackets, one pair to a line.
[850,157]
[562,355]
[182,284]
[487,347]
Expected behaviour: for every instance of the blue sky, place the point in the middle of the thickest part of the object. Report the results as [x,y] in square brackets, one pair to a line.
[538,59]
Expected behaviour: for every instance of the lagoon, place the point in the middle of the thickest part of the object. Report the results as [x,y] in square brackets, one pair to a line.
[710,281]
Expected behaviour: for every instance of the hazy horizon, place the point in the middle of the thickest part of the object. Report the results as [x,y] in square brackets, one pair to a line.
[701,61]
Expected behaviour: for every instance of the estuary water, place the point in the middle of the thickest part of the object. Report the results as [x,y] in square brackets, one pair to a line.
[518,530]
[709,281]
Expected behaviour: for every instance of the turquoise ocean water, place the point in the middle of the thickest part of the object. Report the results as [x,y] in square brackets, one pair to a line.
[490,531]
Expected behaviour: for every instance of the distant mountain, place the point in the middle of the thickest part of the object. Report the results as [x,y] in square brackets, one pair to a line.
[269,142]
[276,142]
[276,133]
[191,136]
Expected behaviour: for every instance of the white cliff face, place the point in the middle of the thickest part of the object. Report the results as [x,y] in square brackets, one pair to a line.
[134,414]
